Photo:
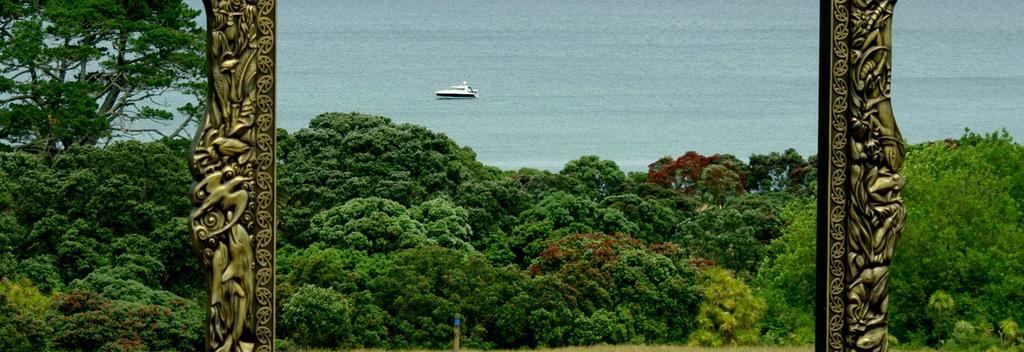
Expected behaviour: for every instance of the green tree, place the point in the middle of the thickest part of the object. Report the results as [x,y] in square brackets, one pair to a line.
[656,221]
[375,225]
[342,269]
[444,222]
[493,207]
[319,317]
[774,172]
[345,272]
[27,183]
[42,268]
[785,276]
[1010,333]
[592,177]
[539,183]
[75,72]
[379,225]
[611,288]
[423,289]
[560,214]
[935,273]
[345,156]
[733,235]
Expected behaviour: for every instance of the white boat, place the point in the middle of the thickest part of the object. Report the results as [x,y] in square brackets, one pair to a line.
[459,91]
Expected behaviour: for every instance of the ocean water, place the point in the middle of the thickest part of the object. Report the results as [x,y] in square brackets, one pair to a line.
[632,81]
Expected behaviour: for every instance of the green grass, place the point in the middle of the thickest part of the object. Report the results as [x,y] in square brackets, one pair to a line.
[623,348]
[620,348]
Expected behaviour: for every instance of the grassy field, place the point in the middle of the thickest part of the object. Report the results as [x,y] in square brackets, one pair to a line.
[626,348]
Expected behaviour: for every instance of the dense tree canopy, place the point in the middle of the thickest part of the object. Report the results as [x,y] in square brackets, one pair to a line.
[391,231]
[101,232]
[345,156]
[361,197]
[970,246]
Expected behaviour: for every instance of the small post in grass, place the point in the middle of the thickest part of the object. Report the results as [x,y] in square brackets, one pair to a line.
[458,325]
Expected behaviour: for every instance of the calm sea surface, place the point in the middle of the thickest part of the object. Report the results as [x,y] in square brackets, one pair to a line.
[632,81]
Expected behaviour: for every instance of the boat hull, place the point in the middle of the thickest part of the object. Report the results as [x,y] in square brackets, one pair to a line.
[455,95]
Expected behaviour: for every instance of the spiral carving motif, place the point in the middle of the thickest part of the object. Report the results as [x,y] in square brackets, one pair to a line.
[232,165]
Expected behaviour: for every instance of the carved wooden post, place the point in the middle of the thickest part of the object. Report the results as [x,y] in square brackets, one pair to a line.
[860,212]
[233,221]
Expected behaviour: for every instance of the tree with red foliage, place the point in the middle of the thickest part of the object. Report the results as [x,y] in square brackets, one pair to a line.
[694,173]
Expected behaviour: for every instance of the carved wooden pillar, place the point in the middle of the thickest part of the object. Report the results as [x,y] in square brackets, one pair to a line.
[860,212]
[233,221]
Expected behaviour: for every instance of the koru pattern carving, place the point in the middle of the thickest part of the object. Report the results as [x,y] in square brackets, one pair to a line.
[837,173]
[232,224]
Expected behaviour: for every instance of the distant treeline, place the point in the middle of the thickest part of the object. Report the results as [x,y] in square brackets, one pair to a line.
[388,232]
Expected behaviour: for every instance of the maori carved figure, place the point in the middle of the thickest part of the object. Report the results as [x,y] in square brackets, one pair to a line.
[875,210]
[232,222]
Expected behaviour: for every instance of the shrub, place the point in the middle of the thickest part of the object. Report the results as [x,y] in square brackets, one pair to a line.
[23,325]
[941,308]
[319,317]
[88,321]
[728,313]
